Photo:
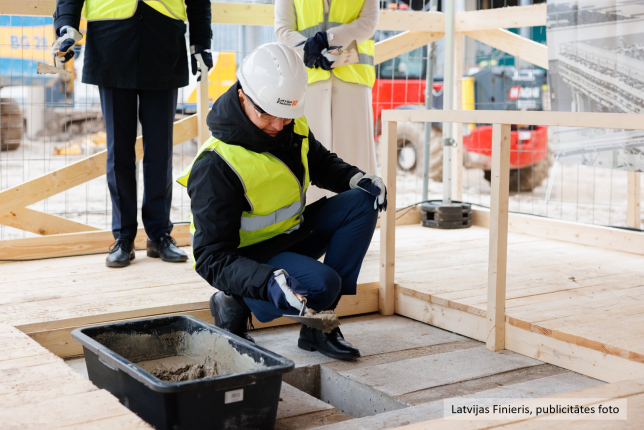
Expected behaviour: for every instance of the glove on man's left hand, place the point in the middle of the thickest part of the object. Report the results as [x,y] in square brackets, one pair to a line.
[280,291]
[373,185]
[199,52]
[69,37]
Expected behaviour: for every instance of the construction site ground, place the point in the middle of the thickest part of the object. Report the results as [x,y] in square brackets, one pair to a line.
[569,307]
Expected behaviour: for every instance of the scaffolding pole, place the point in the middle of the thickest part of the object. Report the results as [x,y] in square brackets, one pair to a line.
[448,101]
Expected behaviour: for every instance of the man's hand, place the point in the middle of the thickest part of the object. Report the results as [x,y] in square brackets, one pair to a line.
[282,291]
[198,56]
[373,185]
[64,45]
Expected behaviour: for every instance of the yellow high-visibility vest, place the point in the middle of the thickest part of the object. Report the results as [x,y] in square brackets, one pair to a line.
[311,19]
[104,10]
[276,196]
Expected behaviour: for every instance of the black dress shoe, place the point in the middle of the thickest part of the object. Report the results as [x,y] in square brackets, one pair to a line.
[166,248]
[121,253]
[332,345]
[230,315]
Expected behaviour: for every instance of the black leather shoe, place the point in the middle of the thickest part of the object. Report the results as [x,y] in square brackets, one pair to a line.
[121,253]
[332,345]
[230,315]
[166,248]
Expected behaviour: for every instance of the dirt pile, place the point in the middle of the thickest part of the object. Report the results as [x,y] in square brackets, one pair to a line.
[178,368]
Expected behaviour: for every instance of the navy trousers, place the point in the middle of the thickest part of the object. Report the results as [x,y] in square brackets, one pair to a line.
[156,110]
[344,227]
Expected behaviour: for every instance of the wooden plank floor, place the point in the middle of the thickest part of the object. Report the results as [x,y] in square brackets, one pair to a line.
[632,391]
[583,295]
[38,390]
[590,297]
[49,298]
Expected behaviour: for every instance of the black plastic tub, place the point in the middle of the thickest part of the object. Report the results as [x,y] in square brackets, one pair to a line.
[243,395]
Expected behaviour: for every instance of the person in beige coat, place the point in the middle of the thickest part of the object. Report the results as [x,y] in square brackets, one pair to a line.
[338,102]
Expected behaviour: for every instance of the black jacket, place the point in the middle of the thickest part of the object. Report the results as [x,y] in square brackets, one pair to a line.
[218,200]
[146,52]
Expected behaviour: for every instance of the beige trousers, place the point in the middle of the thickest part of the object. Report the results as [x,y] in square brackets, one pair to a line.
[341,118]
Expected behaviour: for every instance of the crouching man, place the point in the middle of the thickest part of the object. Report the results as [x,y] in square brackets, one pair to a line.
[253,237]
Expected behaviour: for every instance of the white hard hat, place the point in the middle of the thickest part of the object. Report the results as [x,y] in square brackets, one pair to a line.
[274,76]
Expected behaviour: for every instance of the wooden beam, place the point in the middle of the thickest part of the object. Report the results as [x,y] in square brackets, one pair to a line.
[513,44]
[242,13]
[506,17]
[408,216]
[67,245]
[634,208]
[398,20]
[28,7]
[42,223]
[589,362]
[566,231]
[79,172]
[402,43]
[457,153]
[497,264]
[263,14]
[566,119]
[58,340]
[388,218]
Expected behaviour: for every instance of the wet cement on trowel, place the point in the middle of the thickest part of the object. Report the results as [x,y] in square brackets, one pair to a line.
[180,356]
[328,318]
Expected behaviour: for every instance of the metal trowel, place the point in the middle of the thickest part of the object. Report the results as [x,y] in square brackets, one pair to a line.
[46,69]
[311,321]
[348,56]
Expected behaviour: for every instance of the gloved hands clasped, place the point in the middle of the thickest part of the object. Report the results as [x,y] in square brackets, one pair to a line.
[373,185]
[199,54]
[282,289]
[315,49]
[64,45]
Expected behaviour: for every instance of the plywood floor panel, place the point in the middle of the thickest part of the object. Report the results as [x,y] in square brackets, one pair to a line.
[588,296]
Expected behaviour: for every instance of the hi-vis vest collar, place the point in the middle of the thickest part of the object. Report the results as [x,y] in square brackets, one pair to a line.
[276,196]
[312,18]
[105,10]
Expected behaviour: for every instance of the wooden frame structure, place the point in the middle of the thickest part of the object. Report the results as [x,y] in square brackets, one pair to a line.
[62,237]
[419,28]
[496,336]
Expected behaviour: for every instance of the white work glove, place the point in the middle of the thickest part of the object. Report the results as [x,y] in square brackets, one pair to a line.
[64,45]
[373,185]
[281,294]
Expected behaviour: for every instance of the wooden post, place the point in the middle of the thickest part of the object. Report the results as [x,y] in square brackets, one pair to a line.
[634,210]
[203,107]
[388,146]
[457,153]
[497,264]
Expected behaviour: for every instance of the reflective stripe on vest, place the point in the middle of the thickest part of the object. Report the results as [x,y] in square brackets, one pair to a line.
[311,19]
[105,10]
[276,197]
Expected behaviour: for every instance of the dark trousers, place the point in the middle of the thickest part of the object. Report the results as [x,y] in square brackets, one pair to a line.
[344,226]
[156,112]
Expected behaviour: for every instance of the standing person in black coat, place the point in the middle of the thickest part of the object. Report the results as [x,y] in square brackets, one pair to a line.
[136,54]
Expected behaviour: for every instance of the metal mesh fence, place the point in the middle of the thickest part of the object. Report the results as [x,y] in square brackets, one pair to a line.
[48,123]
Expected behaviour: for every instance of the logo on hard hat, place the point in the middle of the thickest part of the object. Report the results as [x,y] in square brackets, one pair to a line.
[286,102]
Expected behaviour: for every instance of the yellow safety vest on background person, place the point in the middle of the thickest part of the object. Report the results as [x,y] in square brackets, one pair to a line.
[104,10]
[311,19]
[276,196]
